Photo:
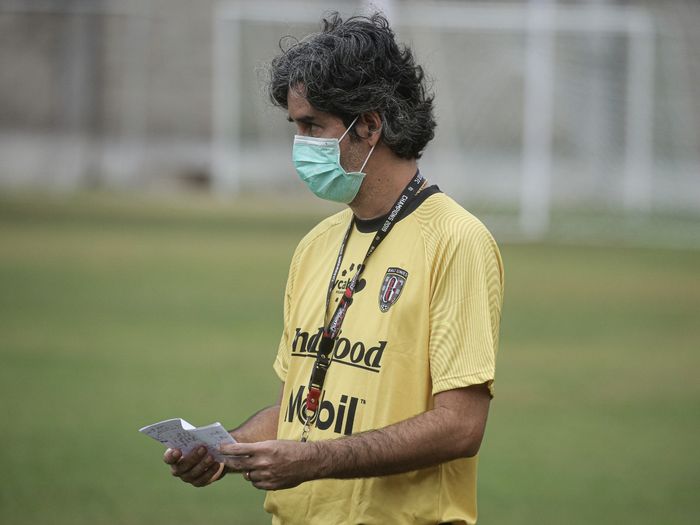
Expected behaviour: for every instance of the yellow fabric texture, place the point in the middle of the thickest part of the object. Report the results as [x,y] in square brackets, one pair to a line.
[439,276]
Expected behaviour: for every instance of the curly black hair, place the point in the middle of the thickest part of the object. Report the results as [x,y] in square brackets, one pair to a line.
[356,66]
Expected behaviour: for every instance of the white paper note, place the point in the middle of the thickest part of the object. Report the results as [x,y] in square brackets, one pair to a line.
[178,433]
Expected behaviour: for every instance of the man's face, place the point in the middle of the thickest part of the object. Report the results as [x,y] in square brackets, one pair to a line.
[313,123]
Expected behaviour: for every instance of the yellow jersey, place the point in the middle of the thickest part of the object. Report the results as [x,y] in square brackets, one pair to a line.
[425,318]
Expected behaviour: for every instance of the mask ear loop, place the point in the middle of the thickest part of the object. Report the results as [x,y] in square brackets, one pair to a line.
[367,159]
[370,151]
[349,127]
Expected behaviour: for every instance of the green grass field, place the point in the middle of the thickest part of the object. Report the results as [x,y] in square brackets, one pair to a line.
[118,312]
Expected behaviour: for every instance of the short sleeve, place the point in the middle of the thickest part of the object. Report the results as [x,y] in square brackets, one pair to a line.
[281,364]
[465,309]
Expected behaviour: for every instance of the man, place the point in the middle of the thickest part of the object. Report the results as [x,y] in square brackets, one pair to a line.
[387,370]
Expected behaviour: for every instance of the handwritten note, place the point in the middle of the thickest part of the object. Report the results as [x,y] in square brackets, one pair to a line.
[178,433]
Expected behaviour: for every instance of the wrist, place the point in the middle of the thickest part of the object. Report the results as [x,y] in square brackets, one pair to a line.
[241,436]
[317,458]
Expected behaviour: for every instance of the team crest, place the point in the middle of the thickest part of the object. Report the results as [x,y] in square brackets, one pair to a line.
[394,281]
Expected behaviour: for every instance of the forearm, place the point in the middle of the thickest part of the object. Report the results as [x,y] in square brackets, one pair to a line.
[430,438]
[261,426]
[453,429]
[413,444]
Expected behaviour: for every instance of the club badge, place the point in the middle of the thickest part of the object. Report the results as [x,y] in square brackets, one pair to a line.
[394,281]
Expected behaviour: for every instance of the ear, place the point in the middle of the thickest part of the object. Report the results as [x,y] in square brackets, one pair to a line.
[369,127]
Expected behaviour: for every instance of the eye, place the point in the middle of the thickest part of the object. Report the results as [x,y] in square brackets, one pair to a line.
[301,128]
[308,129]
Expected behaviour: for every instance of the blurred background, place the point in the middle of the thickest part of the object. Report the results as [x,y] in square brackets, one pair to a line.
[148,211]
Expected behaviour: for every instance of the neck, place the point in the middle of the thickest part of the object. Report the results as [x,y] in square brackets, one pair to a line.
[381,188]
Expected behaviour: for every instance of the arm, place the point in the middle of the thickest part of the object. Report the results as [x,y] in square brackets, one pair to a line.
[453,429]
[199,468]
[260,426]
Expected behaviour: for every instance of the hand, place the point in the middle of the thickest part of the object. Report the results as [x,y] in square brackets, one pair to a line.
[271,465]
[197,468]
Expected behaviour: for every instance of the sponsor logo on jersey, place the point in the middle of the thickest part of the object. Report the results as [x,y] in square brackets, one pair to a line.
[339,415]
[394,281]
[341,283]
[352,353]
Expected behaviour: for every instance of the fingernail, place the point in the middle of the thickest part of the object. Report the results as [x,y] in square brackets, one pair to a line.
[202,451]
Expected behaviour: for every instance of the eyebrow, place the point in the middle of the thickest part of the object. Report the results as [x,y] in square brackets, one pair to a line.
[305,119]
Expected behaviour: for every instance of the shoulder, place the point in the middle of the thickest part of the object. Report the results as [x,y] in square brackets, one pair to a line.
[460,250]
[446,223]
[322,235]
[327,228]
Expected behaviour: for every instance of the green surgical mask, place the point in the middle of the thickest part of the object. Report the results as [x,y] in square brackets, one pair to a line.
[317,161]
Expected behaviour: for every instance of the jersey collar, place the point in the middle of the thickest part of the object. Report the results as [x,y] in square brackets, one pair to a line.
[373,225]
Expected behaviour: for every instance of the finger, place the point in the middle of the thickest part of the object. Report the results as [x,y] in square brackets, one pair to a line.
[187,462]
[238,463]
[270,484]
[210,474]
[239,449]
[198,469]
[227,449]
[264,484]
[172,456]
[254,476]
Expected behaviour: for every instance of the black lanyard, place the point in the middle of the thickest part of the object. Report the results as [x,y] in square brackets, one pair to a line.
[332,326]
